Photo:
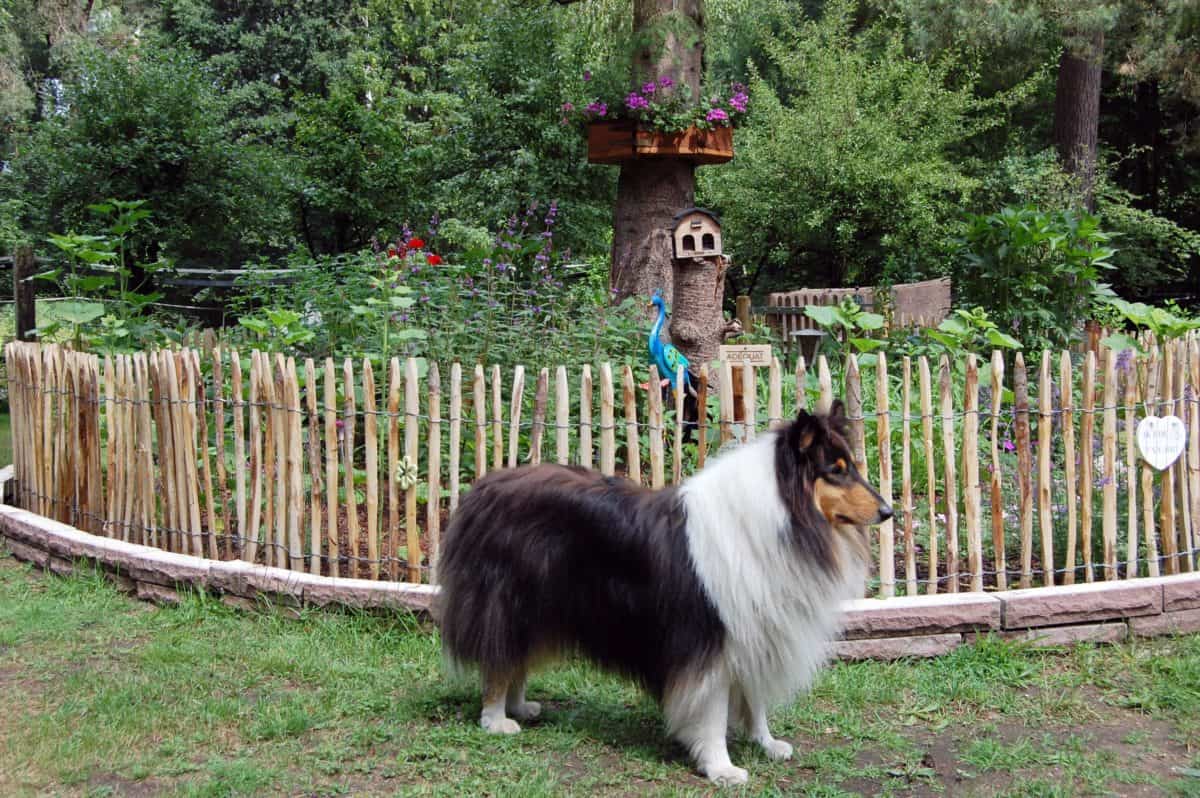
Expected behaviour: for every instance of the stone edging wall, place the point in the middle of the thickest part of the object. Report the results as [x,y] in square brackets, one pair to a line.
[917,626]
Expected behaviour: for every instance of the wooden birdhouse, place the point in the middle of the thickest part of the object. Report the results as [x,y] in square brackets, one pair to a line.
[697,234]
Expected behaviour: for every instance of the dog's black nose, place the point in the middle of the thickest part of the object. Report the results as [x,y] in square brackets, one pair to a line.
[885,512]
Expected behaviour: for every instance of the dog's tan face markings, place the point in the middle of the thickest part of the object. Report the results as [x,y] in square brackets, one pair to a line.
[841,494]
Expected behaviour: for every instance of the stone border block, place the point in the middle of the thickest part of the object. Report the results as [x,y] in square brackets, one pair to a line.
[60,567]
[249,580]
[1070,604]
[888,648]
[1168,623]
[159,594]
[1181,592]
[910,615]
[29,554]
[1113,632]
[163,567]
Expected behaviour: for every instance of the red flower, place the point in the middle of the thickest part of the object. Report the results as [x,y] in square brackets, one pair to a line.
[391,250]
[416,243]
[433,260]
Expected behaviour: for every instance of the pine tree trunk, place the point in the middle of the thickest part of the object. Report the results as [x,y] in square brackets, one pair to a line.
[1077,109]
[651,192]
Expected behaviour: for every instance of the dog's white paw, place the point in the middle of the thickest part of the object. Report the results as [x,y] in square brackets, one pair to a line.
[727,775]
[500,725]
[525,710]
[777,749]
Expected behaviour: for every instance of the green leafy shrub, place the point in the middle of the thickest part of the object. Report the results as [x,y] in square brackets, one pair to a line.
[1036,272]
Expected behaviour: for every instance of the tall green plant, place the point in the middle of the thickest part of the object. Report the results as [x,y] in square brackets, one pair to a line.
[1036,272]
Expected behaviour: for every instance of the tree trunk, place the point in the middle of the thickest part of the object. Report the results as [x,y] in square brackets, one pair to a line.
[651,192]
[1077,109]
[697,325]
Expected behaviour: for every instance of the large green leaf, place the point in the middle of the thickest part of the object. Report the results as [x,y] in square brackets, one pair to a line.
[78,311]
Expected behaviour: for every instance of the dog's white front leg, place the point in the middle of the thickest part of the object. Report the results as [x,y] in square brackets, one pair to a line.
[697,711]
[757,726]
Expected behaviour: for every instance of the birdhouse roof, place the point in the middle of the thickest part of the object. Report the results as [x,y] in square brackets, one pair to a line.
[684,213]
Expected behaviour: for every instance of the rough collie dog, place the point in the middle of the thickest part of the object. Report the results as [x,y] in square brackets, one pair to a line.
[719,596]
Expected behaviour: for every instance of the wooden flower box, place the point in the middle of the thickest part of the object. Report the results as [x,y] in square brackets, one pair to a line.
[617,142]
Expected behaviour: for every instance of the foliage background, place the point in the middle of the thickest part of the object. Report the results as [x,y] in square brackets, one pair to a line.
[267,129]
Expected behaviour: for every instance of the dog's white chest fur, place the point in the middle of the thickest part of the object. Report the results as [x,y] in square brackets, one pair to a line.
[779,611]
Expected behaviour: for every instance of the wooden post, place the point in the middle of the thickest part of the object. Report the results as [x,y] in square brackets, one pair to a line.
[910,551]
[1131,487]
[371,457]
[887,530]
[1024,468]
[1087,443]
[930,468]
[1109,527]
[742,312]
[412,443]
[633,450]
[538,430]
[654,429]
[1045,435]
[999,560]
[950,485]
[433,495]
[1150,397]
[1067,402]
[585,417]
[972,498]
[24,267]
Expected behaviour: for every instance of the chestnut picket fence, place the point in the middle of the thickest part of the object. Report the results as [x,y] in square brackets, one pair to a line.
[1003,473]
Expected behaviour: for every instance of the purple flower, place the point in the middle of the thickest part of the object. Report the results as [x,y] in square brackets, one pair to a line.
[649,88]
[665,82]
[567,107]
[636,102]
[501,267]
[1008,445]
[1125,361]
[738,102]
[587,75]
[598,108]
[717,115]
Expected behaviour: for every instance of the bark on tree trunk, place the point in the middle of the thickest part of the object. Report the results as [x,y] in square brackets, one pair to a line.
[697,324]
[651,192]
[1077,109]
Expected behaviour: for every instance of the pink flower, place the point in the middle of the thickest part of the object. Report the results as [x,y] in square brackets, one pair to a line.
[665,82]
[636,102]
[649,88]
[717,115]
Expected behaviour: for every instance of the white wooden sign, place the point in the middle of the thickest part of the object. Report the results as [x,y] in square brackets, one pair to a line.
[1161,440]
[747,354]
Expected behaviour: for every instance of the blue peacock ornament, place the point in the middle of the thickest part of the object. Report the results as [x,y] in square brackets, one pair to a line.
[668,359]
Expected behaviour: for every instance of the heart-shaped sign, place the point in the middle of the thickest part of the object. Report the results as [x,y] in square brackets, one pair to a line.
[1161,440]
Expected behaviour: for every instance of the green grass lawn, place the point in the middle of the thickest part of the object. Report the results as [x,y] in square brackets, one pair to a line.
[103,695]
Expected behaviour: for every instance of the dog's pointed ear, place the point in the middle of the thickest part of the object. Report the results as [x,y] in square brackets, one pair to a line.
[804,430]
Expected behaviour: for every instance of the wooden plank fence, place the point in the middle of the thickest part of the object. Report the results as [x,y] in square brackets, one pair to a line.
[351,469]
